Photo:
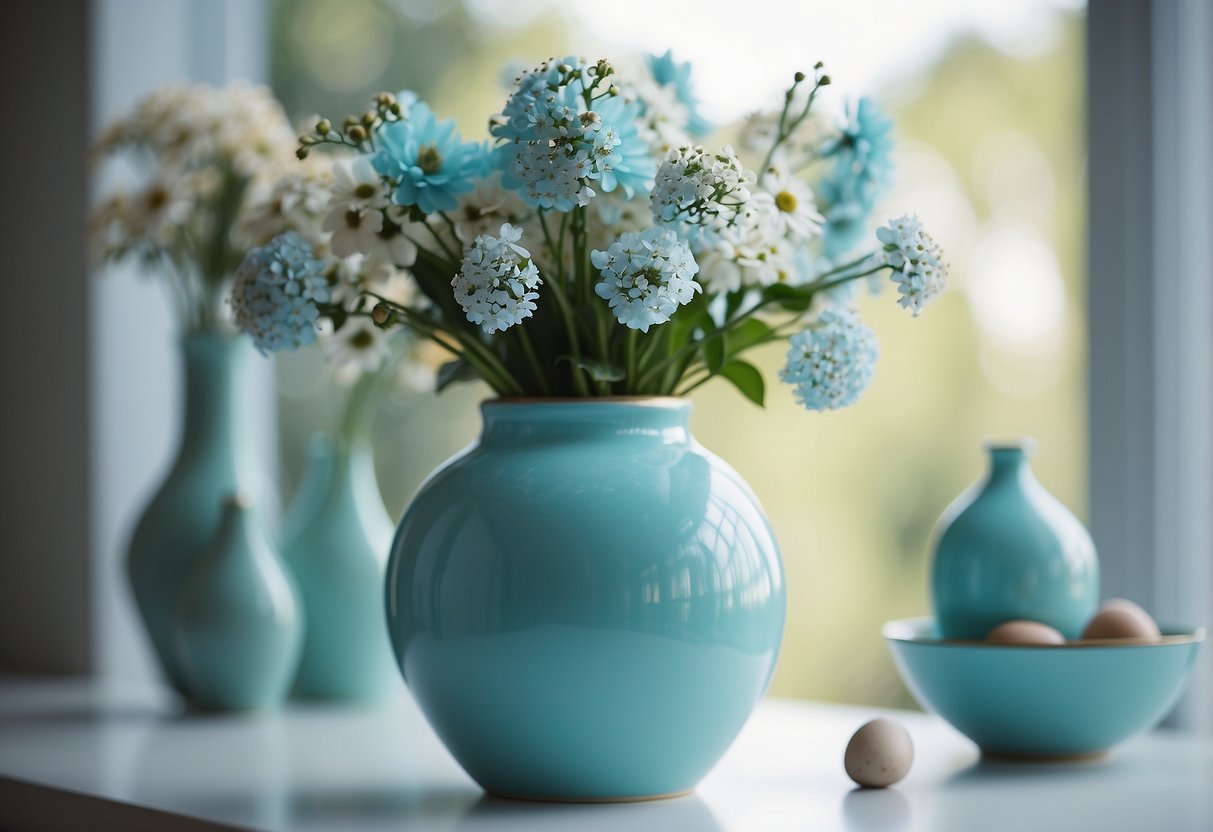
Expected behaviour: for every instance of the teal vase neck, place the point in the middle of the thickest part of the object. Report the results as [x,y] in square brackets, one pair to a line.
[664,420]
[216,380]
[1009,464]
[352,476]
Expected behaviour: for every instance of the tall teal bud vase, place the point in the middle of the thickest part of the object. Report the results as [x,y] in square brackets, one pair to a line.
[239,623]
[337,542]
[214,460]
[1008,549]
[586,604]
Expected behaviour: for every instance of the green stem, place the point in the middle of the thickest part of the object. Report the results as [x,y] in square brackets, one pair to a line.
[529,350]
[360,408]
[566,313]
[629,358]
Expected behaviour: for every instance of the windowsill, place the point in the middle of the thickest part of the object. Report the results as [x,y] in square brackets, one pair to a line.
[81,754]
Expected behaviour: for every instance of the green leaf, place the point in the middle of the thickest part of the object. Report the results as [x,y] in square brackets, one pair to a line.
[747,379]
[713,354]
[598,370]
[686,320]
[455,371]
[748,334]
[338,316]
[791,298]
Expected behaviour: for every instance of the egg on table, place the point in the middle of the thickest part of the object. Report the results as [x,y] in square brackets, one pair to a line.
[1121,618]
[1024,632]
[879,754]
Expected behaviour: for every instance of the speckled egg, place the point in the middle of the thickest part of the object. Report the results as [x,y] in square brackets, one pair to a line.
[1024,632]
[879,754]
[1121,618]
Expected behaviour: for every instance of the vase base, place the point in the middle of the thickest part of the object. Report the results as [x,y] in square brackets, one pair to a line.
[643,798]
[1020,757]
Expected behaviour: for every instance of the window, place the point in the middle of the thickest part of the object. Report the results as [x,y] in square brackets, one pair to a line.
[989,104]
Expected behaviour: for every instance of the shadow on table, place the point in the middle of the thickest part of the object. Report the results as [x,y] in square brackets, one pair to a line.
[679,814]
[875,810]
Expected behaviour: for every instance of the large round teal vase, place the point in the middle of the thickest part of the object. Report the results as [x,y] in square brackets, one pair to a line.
[336,545]
[215,460]
[238,625]
[1008,549]
[586,604]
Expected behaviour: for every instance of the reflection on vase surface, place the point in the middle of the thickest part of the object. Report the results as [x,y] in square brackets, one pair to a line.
[586,603]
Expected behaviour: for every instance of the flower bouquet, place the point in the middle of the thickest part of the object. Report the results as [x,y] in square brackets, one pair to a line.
[586,603]
[592,248]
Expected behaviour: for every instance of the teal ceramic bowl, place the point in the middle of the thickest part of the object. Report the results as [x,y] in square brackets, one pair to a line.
[1060,701]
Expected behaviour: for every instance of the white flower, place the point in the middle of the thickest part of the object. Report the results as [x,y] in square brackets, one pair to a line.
[754,251]
[497,282]
[358,347]
[917,260]
[646,276]
[699,187]
[354,230]
[295,201]
[484,210]
[357,186]
[795,214]
[393,244]
[665,117]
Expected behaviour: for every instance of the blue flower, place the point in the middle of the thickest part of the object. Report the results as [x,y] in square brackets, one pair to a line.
[668,72]
[629,165]
[426,162]
[558,152]
[860,174]
[832,362]
[276,292]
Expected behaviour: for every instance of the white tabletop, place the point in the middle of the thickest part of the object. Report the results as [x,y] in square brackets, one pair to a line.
[105,751]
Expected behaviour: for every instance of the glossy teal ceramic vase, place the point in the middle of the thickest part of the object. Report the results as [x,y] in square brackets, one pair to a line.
[238,623]
[337,545]
[1008,549]
[215,460]
[586,604]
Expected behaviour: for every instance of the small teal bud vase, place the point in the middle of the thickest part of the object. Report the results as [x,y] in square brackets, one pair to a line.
[1008,549]
[337,549]
[215,459]
[586,603]
[239,624]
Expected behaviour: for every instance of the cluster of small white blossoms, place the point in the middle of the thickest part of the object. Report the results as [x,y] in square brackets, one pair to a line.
[295,201]
[198,139]
[708,189]
[919,269]
[556,151]
[497,283]
[276,292]
[646,276]
[832,362]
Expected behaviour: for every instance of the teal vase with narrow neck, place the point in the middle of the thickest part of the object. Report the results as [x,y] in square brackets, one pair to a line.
[237,625]
[1007,549]
[215,459]
[336,547]
[586,603]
